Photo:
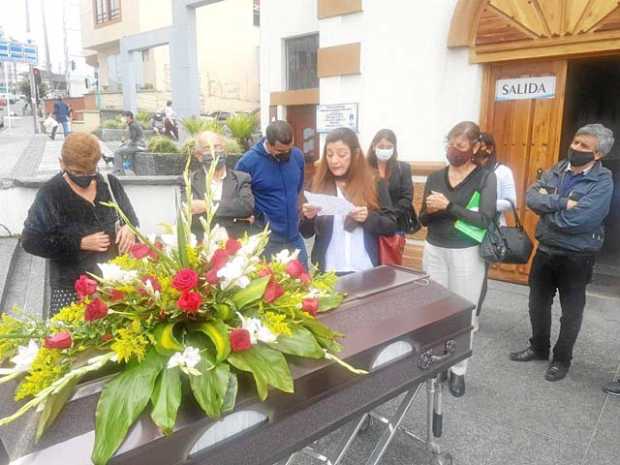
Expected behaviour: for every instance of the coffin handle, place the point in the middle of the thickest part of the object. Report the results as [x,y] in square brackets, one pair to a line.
[428,359]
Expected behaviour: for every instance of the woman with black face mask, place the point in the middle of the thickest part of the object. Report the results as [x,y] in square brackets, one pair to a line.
[459,202]
[232,190]
[67,223]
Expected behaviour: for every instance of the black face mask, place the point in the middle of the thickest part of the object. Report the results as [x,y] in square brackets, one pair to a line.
[221,161]
[577,158]
[82,181]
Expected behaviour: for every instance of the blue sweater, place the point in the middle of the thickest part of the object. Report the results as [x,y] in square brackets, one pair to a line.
[276,186]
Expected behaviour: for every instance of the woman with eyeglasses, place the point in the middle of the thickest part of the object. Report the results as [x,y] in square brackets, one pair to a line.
[458,201]
[68,225]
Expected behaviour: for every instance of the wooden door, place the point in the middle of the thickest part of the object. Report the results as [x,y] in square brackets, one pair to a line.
[303,120]
[527,134]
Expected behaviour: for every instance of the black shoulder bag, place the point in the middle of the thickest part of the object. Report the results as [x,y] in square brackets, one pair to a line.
[506,244]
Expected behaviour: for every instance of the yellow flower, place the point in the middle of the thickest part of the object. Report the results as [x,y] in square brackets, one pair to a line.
[276,323]
[126,262]
[71,314]
[130,342]
[47,367]
[8,325]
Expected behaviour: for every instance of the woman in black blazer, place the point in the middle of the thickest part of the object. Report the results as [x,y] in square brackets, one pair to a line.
[345,244]
[383,156]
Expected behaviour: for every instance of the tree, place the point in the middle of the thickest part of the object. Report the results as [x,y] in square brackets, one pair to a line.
[24,88]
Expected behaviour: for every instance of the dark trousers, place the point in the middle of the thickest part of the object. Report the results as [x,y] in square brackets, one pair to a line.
[568,274]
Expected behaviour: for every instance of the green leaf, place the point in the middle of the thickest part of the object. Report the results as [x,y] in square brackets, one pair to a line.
[165,341]
[122,400]
[230,399]
[54,405]
[217,331]
[325,336]
[330,302]
[251,293]
[166,399]
[182,238]
[210,387]
[301,343]
[268,367]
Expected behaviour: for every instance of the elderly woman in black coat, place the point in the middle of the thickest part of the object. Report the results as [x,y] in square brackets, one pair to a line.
[67,223]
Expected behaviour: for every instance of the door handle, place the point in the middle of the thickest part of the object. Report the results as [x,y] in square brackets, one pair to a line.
[539,173]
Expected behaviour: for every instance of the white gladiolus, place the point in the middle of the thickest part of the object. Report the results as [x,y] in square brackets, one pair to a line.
[23,360]
[249,248]
[186,360]
[235,271]
[115,273]
[258,331]
[284,256]
[172,242]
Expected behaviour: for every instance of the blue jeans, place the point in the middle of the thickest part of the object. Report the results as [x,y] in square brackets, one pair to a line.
[65,128]
[277,244]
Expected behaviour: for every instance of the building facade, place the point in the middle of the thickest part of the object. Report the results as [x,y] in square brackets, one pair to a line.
[421,67]
[229,80]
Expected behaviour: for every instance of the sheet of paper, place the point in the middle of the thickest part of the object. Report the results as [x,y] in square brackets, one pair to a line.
[329,204]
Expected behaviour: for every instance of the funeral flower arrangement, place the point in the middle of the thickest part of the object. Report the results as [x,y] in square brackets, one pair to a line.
[172,314]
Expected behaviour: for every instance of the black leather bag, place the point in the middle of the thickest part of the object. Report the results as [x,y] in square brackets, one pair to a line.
[506,244]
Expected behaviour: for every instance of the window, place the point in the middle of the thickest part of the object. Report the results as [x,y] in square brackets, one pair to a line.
[256,10]
[301,59]
[107,11]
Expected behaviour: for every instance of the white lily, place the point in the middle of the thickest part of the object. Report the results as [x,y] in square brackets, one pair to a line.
[218,236]
[150,290]
[314,293]
[115,273]
[186,360]
[23,360]
[284,256]
[235,271]
[258,331]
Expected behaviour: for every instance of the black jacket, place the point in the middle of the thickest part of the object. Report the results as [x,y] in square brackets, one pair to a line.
[236,206]
[378,223]
[59,219]
[400,186]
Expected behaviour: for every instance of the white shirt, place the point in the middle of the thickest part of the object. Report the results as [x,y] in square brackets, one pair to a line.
[506,191]
[346,250]
[216,187]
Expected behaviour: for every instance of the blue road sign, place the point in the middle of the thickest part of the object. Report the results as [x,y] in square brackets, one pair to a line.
[19,52]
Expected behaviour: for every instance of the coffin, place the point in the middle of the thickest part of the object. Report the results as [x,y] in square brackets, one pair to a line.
[399,325]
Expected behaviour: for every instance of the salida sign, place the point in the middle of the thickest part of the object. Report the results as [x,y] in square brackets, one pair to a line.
[525,88]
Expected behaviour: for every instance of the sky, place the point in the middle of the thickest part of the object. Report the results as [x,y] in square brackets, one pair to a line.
[13,22]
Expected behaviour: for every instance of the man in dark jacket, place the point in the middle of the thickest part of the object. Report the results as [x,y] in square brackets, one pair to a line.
[231,189]
[277,171]
[123,157]
[572,200]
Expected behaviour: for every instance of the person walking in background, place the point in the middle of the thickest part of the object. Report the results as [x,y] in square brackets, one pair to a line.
[383,157]
[345,244]
[506,191]
[451,254]
[68,224]
[171,128]
[123,156]
[61,115]
[572,200]
[232,190]
[277,171]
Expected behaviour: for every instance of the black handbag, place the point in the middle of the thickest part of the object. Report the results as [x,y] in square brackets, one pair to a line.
[506,244]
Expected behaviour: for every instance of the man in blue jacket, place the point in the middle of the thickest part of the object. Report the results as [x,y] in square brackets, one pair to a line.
[277,171]
[572,200]
[61,115]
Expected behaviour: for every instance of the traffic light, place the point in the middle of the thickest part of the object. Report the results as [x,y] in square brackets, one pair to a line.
[72,65]
[37,75]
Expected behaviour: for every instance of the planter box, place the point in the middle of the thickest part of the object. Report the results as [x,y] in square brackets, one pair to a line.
[110,135]
[159,164]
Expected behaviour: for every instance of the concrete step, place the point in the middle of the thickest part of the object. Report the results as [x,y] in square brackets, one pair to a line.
[8,250]
[28,285]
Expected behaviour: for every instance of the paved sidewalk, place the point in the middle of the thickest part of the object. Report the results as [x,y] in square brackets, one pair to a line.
[14,142]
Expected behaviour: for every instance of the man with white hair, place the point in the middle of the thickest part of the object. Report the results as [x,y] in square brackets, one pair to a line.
[572,200]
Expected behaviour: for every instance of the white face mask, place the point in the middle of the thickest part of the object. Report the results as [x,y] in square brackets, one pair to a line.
[384,154]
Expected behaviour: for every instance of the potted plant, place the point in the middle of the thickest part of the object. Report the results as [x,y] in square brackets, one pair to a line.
[194,125]
[113,129]
[242,127]
[162,158]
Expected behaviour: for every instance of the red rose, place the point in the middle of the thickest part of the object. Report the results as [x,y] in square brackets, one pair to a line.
[139,251]
[219,259]
[116,295]
[305,279]
[95,310]
[58,341]
[85,286]
[240,340]
[106,337]
[211,277]
[295,268]
[310,306]
[273,291]
[232,246]
[264,272]
[185,279]
[189,301]
[154,283]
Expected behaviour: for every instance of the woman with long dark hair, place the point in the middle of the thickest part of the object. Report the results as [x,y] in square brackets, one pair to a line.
[346,244]
[383,157]
[458,200]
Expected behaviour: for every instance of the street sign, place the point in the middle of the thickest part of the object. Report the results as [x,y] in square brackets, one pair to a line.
[18,52]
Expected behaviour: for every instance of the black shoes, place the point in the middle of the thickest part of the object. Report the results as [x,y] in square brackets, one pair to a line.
[527,355]
[456,384]
[556,371]
[613,388]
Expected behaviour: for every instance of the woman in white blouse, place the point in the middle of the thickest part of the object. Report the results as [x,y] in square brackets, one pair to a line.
[506,190]
[348,243]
